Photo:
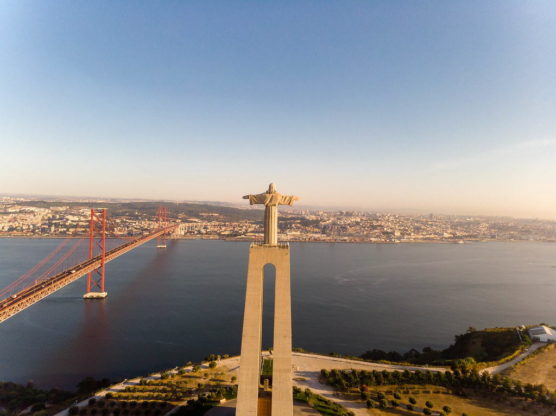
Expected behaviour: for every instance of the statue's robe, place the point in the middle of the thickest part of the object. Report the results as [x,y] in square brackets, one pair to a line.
[272,199]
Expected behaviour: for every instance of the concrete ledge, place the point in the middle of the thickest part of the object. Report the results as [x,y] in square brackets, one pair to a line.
[263,245]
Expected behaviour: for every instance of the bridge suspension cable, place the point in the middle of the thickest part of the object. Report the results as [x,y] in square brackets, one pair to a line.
[50,280]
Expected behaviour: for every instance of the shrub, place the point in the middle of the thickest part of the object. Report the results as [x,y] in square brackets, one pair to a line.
[412,400]
[447,409]
[427,411]
[410,407]
[212,364]
[429,404]
[38,407]
[397,396]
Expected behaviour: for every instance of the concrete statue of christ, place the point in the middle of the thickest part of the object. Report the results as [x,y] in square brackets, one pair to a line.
[271,199]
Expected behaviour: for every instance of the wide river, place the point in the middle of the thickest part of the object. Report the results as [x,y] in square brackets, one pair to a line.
[168,306]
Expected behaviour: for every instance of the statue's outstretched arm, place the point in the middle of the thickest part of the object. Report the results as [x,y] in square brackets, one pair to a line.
[256,199]
[288,199]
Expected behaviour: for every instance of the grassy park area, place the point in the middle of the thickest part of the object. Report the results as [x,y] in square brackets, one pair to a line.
[195,388]
[441,399]
[440,393]
[538,368]
[319,403]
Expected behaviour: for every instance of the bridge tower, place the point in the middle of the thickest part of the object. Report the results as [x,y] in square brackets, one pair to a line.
[97,238]
[162,215]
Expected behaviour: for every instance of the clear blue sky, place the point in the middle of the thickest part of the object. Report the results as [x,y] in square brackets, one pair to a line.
[434,106]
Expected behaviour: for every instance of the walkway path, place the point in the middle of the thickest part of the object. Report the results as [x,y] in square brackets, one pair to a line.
[499,368]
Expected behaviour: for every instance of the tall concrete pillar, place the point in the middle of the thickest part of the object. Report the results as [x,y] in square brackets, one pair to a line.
[249,367]
[282,395]
[270,252]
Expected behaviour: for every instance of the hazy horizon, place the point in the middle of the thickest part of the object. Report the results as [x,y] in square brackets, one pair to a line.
[244,204]
[443,107]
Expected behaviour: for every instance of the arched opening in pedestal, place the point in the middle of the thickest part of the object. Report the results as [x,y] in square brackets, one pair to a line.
[269,285]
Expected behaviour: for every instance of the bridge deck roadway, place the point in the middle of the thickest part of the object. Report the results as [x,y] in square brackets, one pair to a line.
[28,296]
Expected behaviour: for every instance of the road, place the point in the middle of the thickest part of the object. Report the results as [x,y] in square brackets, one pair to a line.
[499,368]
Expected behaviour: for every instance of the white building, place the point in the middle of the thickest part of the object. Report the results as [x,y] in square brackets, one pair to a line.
[543,334]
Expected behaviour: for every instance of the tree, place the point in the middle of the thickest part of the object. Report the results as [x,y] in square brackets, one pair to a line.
[38,407]
[464,364]
[86,385]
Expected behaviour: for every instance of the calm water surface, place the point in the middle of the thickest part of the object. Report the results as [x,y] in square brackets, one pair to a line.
[166,307]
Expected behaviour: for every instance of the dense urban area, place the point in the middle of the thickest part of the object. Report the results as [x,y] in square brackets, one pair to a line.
[55,218]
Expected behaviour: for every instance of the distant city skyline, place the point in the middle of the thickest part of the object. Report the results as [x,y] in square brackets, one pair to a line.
[442,107]
[243,204]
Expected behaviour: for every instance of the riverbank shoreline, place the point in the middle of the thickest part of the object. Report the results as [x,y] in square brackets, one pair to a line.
[236,240]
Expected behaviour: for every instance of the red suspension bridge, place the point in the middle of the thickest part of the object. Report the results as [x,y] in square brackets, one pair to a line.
[63,266]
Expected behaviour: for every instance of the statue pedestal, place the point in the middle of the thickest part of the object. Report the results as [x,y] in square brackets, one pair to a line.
[250,362]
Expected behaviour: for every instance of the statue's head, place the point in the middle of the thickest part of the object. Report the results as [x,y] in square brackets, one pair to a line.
[271,188]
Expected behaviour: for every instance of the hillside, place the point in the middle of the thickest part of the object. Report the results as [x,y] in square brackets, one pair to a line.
[483,345]
[149,209]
